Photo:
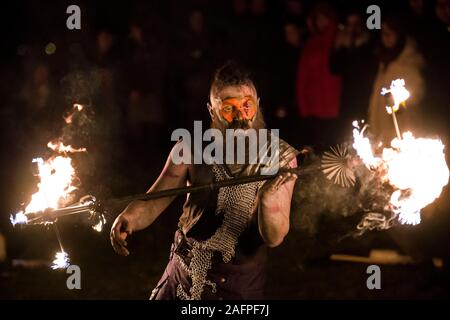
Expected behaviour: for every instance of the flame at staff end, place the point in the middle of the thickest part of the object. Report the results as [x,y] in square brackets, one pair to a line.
[57,182]
[77,108]
[363,147]
[56,176]
[399,94]
[414,167]
[62,148]
[18,218]
[62,261]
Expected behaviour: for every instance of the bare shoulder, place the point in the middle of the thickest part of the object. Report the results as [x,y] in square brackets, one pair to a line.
[179,162]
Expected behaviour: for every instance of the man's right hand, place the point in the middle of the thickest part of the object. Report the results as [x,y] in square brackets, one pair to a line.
[119,232]
[139,214]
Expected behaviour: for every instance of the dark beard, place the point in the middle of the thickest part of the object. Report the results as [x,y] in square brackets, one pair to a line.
[257,124]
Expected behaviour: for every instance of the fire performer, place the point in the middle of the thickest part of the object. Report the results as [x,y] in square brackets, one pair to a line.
[220,247]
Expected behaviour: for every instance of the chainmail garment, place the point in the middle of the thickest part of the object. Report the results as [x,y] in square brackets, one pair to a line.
[236,203]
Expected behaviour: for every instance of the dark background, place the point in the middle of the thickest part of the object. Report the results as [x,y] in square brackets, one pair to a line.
[140,90]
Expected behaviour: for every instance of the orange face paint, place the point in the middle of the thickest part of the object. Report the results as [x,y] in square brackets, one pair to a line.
[232,109]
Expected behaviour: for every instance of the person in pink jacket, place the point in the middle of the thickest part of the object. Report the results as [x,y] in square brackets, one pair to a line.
[318,90]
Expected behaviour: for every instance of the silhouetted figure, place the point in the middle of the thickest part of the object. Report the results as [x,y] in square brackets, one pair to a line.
[353,59]
[318,90]
[398,58]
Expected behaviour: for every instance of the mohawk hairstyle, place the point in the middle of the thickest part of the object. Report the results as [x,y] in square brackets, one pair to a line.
[230,74]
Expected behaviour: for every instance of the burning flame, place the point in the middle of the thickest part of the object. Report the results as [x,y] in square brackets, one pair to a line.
[18,218]
[77,108]
[61,148]
[61,261]
[56,177]
[55,187]
[363,147]
[417,168]
[414,167]
[399,94]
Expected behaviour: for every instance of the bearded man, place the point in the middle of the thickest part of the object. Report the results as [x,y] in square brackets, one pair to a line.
[220,247]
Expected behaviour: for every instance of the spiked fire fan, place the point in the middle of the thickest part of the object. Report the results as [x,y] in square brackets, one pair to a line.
[335,166]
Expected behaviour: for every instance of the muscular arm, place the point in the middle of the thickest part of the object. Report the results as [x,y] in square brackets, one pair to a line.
[139,215]
[275,206]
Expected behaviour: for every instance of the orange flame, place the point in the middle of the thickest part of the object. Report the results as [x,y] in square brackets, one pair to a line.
[414,167]
[62,148]
[77,108]
[399,94]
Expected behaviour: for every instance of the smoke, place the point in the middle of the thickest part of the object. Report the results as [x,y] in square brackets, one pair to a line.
[352,211]
[79,89]
[75,126]
[97,127]
[81,86]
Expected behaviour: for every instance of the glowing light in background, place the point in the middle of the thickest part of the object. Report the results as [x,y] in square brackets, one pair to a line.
[61,261]
[50,48]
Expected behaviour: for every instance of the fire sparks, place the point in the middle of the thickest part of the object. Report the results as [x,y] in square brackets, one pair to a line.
[399,94]
[61,261]
[77,108]
[56,177]
[417,168]
[61,148]
[363,147]
[56,187]
[414,167]
[18,218]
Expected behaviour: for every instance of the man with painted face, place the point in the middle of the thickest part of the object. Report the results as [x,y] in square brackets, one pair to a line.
[219,250]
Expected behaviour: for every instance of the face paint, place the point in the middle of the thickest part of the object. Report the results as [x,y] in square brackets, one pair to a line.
[232,109]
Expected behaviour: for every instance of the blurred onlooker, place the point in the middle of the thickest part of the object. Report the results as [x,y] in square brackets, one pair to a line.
[105,62]
[318,90]
[420,24]
[258,7]
[240,7]
[104,45]
[144,75]
[294,9]
[397,58]
[196,39]
[353,59]
[239,30]
[260,36]
[41,103]
[428,25]
[37,91]
[108,115]
[437,53]
[194,57]
[442,10]
[293,45]
[285,111]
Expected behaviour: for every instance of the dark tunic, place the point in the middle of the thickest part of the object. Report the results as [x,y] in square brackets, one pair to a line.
[244,276]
